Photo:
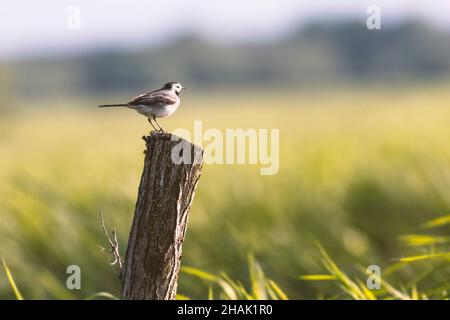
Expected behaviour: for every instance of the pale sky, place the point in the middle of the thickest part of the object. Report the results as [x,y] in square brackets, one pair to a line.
[29,28]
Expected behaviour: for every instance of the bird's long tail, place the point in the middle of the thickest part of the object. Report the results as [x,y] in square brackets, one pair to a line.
[112,105]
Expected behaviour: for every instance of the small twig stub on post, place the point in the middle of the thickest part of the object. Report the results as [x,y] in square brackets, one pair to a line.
[172,169]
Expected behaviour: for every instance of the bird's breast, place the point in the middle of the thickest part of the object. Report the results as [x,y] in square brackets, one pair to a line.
[158,110]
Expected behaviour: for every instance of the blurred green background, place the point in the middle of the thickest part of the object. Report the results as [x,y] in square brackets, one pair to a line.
[364,154]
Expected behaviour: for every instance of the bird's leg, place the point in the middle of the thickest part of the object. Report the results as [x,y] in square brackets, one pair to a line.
[161,128]
[150,121]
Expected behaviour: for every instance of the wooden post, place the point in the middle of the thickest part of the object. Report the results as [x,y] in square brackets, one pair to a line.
[166,191]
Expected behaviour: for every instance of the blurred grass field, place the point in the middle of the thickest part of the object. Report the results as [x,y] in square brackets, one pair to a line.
[359,170]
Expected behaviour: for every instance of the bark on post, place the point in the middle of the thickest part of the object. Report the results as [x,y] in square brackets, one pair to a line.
[166,191]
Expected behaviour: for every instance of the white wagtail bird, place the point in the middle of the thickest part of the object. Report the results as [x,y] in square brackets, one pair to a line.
[155,104]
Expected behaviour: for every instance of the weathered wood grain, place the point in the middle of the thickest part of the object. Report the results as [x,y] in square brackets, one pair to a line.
[166,191]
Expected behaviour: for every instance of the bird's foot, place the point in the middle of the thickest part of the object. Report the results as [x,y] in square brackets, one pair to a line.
[157,131]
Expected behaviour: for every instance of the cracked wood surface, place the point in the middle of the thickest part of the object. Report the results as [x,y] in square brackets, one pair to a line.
[166,191]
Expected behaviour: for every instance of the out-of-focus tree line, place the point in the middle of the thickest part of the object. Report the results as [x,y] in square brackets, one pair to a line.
[319,54]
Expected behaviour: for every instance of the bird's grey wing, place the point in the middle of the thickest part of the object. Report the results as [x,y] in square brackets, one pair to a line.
[153,98]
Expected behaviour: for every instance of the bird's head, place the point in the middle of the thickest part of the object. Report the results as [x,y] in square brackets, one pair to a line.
[175,86]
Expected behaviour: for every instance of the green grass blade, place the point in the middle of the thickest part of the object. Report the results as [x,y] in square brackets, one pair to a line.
[441,221]
[257,279]
[244,292]
[318,277]
[414,293]
[237,287]
[368,293]
[228,289]
[394,292]
[341,276]
[210,293]
[12,282]
[277,290]
[424,257]
[198,273]
[416,240]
